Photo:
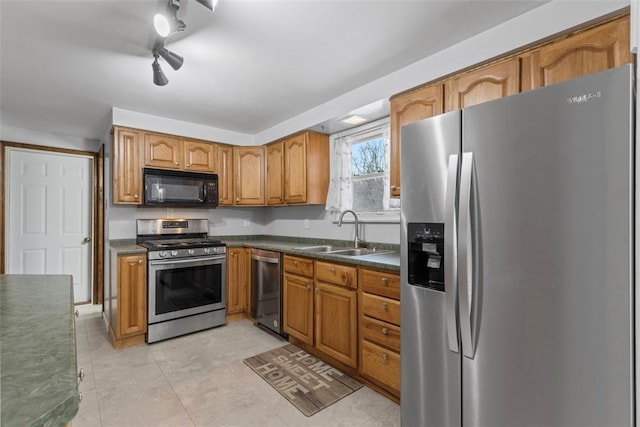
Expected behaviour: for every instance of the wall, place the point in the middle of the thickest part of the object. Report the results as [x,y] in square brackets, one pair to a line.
[28,136]
[290,221]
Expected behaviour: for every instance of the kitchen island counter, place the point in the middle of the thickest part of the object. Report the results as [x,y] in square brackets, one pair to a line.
[37,351]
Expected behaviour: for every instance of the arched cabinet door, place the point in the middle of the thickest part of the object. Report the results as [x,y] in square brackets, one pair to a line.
[589,51]
[405,108]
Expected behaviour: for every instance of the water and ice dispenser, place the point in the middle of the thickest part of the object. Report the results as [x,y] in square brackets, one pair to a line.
[426,255]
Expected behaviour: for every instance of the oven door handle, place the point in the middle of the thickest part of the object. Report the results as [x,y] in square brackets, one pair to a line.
[185,260]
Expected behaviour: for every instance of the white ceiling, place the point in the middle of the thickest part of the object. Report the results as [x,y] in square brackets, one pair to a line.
[248,66]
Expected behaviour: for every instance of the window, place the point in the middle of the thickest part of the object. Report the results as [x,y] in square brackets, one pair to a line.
[367,173]
[360,171]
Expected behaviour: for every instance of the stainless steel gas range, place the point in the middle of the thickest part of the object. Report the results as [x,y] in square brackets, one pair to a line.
[186,277]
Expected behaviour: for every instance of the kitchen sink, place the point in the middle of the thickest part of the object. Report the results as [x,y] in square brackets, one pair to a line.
[359,252]
[320,248]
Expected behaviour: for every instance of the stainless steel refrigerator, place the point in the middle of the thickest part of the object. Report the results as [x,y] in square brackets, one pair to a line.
[517,246]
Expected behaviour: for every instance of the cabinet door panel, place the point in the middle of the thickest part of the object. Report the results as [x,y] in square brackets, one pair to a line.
[485,84]
[132,295]
[336,323]
[275,174]
[237,282]
[295,170]
[408,108]
[249,175]
[162,151]
[200,156]
[225,175]
[127,167]
[298,307]
[596,49]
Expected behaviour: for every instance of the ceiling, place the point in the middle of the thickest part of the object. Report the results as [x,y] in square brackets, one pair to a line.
[248,66]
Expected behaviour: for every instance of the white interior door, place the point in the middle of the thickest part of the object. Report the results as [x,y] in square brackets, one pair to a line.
[49,218]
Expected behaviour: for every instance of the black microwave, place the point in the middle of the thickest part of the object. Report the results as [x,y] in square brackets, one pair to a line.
[180,189]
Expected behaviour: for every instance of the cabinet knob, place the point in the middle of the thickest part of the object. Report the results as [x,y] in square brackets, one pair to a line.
[135,196]
[308,286]
[187,165]
[393,187]
[317,290]
[177,163]
[139,261]
[384,280]
[80,375]
[384,305]
[385,331]
[77,313]
[295,263]
[237,200]
[79,397]
[385,356]
[333,270]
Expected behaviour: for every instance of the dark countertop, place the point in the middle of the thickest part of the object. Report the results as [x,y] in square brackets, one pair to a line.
[38,350]
[288,245]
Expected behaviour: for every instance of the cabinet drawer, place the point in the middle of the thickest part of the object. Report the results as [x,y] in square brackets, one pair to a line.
[379,283]
[382,333]
[381,364]
[337,274]
[381,308]
[299,266]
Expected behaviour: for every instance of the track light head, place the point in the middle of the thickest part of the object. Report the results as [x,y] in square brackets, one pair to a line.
[172,59]
[158,76]
[167,22]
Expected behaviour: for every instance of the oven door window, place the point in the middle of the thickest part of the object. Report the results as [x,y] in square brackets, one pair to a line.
[182,288]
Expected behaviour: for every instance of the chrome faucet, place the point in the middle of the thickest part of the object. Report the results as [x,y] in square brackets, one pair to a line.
[356,241]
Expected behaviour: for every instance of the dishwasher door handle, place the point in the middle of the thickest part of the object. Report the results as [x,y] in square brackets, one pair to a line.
[265,259]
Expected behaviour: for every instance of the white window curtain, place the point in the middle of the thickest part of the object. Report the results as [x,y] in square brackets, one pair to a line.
[340,194]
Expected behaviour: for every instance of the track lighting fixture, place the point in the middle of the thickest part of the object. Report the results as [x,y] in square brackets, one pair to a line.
[165,24]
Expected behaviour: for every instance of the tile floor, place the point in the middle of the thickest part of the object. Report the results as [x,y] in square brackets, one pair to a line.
[198,380]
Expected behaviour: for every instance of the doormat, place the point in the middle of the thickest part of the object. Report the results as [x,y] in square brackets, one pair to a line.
[304,380]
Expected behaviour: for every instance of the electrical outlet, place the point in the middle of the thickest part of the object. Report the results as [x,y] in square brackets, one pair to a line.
[247,223]
[306,224]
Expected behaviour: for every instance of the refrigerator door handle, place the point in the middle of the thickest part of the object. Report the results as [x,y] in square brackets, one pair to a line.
[450,248]
[465,256]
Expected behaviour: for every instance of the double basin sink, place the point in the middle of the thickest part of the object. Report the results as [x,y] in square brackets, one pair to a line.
[342,251]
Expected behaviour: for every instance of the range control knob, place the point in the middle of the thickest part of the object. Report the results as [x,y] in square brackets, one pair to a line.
[207,250]
[191,251]
[174,253]
[163,254]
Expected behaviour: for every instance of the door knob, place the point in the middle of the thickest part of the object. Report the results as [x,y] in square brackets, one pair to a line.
[86,240]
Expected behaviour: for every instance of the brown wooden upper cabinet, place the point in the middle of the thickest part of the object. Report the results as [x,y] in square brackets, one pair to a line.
[595,49]
[483,84]
[166,152]
[249,174]
[405,108]
[225,175]
[127,166]
[298,169]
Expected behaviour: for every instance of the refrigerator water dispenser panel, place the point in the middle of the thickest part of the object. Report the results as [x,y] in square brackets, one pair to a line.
[425,252]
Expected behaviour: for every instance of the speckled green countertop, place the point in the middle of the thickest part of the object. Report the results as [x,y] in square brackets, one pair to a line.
[37,351]
[390,260]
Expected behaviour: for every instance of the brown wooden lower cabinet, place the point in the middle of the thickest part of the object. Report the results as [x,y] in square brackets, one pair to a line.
[128,318]
[336,322]
[238,283]
[298,307]
[380,328]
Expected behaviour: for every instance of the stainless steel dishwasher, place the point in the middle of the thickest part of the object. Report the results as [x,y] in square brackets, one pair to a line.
[266,289]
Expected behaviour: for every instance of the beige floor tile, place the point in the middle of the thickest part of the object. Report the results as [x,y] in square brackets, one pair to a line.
[199,380]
